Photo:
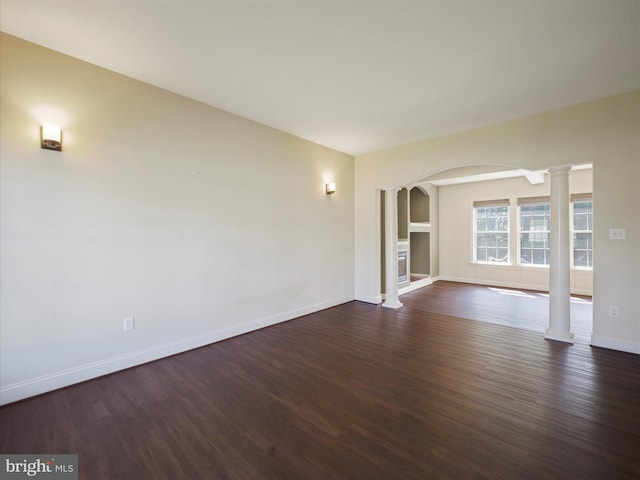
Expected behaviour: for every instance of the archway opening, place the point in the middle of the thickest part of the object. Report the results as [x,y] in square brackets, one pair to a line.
[439,234]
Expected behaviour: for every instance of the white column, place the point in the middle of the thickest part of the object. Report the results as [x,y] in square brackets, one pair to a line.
[391,248]
[559,268]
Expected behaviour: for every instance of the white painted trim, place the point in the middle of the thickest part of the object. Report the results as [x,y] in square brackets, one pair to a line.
[628,346]
[522,286]
[476,281]
[394,305]
[375,299]
[415,285]
[566,337]
[53,381]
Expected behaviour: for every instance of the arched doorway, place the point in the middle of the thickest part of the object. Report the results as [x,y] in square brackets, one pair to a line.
[436,238]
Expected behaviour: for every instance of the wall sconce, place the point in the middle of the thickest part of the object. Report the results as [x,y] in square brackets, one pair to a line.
[51,137]
[330,188]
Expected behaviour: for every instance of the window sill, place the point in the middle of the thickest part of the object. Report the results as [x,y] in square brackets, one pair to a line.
[493,264]
[525,265]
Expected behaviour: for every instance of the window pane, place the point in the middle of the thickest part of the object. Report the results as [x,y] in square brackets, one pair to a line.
[492,234]
[534,234]
[582,237]
[539,256]
[582,240]
[580,222]
[580,258]
[581,207]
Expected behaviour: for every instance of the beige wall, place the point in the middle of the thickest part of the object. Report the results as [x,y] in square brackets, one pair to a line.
[456,234]
[198,223]
[604,133]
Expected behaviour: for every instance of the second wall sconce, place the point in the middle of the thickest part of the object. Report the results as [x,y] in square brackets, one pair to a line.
[51,137]
[330,188]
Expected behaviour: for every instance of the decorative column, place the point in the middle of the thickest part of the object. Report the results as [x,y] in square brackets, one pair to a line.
[391,248]
[560,250]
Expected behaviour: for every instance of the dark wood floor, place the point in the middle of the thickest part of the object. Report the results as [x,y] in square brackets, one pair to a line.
[525,309]
[353,392]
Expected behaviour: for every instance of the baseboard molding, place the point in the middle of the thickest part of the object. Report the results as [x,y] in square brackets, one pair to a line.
[415,285]
[46,383]
[376,299]
[493,283]
[522,286]
[615,344]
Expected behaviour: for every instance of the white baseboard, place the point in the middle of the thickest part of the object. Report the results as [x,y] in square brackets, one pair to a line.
[375,299]
[522,286]
[615,344]
[493,283]
[415,285]
[46,383]
[378,299]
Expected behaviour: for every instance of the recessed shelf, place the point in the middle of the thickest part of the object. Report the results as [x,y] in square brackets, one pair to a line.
[424,227]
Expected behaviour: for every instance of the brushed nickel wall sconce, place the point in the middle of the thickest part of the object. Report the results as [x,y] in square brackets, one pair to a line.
[51,137]
[330,188]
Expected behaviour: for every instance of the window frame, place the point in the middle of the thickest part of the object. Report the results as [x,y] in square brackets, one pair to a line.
[532,201]
[501,203]
[582,198]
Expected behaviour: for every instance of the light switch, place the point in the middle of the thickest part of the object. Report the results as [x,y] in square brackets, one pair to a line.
[617,233]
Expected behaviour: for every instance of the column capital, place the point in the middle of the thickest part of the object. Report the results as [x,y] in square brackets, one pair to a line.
[560,170]
[392,189]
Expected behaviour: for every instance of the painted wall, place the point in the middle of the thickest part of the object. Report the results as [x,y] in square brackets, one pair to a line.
[456,234]
[198,223]
[604,133]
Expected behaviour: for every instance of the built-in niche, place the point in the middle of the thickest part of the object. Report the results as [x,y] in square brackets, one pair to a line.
[403,214]
[419,201]
[420,231]
[417,236]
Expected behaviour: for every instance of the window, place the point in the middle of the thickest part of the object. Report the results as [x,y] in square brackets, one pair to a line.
[491,231]
[491,225]
[535,216]
[582,223]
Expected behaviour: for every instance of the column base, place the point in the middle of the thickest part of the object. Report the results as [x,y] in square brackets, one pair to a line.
[395,304]
[566,337]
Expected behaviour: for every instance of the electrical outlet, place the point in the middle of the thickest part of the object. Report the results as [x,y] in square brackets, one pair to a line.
[128,324]
[614,311]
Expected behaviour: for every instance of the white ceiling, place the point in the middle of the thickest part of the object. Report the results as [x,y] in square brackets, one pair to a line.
[356,76]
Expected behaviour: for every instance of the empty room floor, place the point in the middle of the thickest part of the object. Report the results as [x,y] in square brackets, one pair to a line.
[525,309]
[354,392]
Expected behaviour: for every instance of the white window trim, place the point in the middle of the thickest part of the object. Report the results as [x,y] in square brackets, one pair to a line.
[474,234]
[584,197]
[529,201]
